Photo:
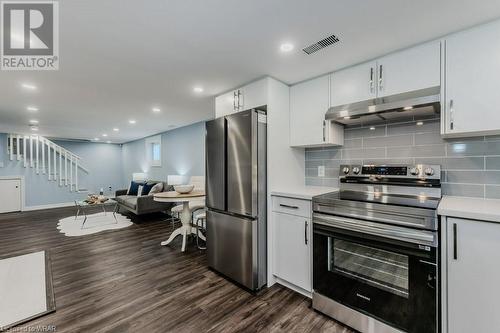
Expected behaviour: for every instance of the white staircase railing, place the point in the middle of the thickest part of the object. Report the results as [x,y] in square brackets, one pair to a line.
[45,157]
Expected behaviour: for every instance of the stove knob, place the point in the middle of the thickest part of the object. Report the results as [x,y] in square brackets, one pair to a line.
[345,170]
[414,171]
[429,171]
[355,170]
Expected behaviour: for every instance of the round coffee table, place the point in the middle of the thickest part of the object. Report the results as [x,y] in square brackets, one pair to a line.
[185,216]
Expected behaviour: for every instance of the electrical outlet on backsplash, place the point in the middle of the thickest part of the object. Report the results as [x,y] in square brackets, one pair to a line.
[470,166]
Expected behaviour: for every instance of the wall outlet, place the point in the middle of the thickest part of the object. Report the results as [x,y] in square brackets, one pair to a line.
[321,171]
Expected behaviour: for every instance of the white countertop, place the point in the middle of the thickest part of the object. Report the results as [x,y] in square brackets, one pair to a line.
[470,208]
[303,192]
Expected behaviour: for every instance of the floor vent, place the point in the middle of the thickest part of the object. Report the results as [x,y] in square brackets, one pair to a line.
[330,40]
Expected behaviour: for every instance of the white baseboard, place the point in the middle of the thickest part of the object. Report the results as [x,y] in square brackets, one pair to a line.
[50,206]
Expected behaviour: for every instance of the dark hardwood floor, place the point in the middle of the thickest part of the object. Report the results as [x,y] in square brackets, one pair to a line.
[124,281]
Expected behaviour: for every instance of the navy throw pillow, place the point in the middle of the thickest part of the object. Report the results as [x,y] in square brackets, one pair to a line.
[134,187]
[147,187]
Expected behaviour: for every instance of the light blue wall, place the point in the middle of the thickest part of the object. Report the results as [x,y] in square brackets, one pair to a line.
[102,160]
[183,153]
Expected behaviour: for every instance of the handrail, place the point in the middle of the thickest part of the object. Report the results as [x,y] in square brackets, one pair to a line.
[57,148]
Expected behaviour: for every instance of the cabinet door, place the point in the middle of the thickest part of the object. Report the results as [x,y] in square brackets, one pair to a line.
[309,102]
[10,195]
[354,84]
[473,277]
[292,261]
[253,95]
[224,104]
[472,80]
[412,69]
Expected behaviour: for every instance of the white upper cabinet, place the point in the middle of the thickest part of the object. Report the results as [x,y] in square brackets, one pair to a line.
[253,95]
[225,104]
[354,84]
[472,81]
[309,102]
[250,96]
[408,70]
[412,69]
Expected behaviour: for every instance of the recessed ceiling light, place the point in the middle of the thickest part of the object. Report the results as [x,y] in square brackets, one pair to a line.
[286,47]
[33,121]
[96,139]
[32,108]
[131,121]
[420,123]
[116,129]
[198,89]
[104,135]
[28,86]
[372,128]
[156,109]
[34,128]
[406,108]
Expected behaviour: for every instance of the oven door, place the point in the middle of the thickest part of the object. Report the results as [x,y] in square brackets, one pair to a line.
[388,274]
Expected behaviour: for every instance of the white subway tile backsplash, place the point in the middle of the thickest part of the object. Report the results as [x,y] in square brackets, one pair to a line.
[471,166]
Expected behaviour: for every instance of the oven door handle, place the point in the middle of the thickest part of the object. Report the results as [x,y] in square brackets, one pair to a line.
[421,237]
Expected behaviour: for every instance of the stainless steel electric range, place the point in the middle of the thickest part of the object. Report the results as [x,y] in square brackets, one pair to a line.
[375,249]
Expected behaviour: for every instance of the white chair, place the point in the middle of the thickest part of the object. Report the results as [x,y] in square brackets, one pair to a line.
[199,185]
[200,222]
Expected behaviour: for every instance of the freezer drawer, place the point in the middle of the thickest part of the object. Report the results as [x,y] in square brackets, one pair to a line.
[232,248]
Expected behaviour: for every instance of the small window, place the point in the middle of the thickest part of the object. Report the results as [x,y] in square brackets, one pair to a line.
[153,149]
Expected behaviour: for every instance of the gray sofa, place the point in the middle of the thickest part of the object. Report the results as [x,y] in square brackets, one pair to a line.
[144,204]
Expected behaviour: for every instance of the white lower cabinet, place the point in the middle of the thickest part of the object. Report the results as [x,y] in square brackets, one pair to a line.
[292,249]
[471,273]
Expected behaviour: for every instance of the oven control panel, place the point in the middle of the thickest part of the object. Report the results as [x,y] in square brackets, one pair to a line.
[419,171]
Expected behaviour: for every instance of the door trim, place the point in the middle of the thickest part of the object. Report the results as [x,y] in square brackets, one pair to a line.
[23,196]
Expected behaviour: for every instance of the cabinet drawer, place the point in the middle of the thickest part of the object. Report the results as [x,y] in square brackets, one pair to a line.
[292,206]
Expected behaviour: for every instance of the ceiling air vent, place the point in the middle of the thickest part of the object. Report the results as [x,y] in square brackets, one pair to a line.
[330,40]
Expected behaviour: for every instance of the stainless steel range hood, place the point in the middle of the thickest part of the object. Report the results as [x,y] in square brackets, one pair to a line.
[418,103]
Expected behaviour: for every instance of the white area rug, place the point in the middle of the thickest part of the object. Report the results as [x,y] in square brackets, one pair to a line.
[25,289]
[95,223]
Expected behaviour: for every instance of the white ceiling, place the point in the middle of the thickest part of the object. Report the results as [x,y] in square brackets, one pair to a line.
[120,58]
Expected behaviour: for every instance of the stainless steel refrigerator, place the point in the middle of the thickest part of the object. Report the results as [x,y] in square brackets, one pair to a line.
[236,197]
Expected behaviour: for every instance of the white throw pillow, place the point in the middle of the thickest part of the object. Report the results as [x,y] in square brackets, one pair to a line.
[156,189]
[139,191]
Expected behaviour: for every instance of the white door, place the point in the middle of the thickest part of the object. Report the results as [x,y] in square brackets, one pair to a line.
[354,84]
[253,95]
[473,277]
[309,102]
[472,81]
[10,195]
[224,104]
[292,250]
[412,69]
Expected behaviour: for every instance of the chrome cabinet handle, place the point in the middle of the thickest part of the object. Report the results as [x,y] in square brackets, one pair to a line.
[455,250]
[240,106]
[381,78]
[305,233]
[288,206]
[324,124]
[371,80]
[452,118]
[234,100]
